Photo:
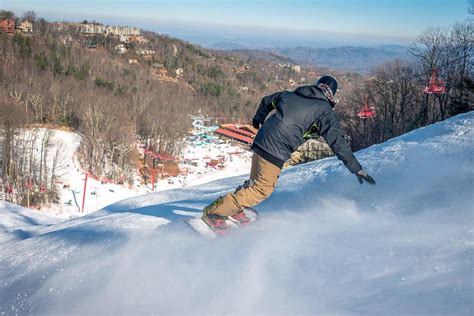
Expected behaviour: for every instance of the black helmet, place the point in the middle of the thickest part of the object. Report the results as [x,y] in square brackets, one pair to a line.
[330,81]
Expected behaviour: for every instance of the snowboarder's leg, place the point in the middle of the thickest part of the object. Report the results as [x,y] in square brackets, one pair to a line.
[251,193]
[254,168]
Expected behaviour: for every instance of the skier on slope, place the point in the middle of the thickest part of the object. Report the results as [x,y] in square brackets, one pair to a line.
[307,110]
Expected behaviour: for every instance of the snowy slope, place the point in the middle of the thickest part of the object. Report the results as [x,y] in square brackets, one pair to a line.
[64,145]
[324,244]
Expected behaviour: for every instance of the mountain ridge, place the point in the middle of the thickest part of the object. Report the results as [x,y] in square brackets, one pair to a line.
[346,58]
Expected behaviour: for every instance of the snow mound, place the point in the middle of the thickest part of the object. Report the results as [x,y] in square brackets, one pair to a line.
[324,244]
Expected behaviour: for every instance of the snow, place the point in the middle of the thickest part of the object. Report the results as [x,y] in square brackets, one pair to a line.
[323,245]
[71,176]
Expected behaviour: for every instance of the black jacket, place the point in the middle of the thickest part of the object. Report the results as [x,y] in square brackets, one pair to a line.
[298,113]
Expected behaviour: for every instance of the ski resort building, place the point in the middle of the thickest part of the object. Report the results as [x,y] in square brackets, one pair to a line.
[7,26]
[241,133]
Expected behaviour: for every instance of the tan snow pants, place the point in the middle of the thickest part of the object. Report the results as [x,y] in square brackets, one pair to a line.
[263,178]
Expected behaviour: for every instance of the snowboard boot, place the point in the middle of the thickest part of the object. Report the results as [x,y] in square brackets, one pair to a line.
[240,218]
[217,223]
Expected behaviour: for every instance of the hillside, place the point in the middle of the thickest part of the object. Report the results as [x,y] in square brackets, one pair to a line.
[117,91]
[69,176]
[324,244]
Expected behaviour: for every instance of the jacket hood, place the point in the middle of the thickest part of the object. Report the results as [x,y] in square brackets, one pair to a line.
[311,92]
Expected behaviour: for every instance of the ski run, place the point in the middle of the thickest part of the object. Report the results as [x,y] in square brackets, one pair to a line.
[323,244]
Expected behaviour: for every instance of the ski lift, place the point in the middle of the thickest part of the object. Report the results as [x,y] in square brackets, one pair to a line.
[435,86]
[366,112]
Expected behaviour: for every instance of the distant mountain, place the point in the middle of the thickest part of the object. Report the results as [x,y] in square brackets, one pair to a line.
[347,58]
[263,55]
[226,46]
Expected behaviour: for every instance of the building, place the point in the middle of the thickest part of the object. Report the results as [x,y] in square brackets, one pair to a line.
[7,26]
[92,29]
[133,62]
[121,49]
[296,68]
[179,72]
[138,39]
[26,27]
[122,30]
[145,52]
[241,133]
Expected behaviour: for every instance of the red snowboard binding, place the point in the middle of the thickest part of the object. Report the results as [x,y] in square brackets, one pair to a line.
[214,225]
[240,218]
[217,223]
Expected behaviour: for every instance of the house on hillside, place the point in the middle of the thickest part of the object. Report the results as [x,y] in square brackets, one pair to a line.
[133,62]
[26,27]
[179,72]
[121,49]
[145,52]
[7,26]
[296,68]
[138,39]
[92,29]
[122,30]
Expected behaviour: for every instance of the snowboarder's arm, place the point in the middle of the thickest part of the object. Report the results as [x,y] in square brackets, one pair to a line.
[334,136]
[267,104]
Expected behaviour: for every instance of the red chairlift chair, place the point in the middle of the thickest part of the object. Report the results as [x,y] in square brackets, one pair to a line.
[366,112]
[435,86]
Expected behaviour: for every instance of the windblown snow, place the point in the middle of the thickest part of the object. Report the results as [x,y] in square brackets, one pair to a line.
[323,245]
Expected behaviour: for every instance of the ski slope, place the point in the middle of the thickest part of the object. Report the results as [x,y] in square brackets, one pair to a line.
[324,243]
[63,146]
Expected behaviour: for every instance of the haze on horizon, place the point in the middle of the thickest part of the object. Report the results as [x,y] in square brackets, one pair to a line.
[263,23]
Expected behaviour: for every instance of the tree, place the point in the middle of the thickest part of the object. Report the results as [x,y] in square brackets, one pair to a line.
[6,14]
[29,16]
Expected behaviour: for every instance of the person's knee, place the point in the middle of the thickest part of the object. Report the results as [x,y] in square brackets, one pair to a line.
[264,190]
[243,186]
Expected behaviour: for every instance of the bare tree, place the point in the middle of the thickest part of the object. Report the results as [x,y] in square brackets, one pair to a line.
[29,16]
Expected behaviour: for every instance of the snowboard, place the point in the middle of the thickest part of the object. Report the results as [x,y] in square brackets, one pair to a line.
[203,229]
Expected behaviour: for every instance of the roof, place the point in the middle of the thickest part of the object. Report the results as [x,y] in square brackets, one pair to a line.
[235,129]
[234,135]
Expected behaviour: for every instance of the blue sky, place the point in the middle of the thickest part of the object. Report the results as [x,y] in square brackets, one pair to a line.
[366,20]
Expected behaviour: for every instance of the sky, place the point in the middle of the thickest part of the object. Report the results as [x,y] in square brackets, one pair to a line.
[397,21]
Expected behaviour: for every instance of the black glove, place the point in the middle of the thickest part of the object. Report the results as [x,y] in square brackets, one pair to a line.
[363,176]
[256,124]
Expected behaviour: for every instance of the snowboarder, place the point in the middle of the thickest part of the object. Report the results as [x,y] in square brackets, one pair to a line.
[307,110]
